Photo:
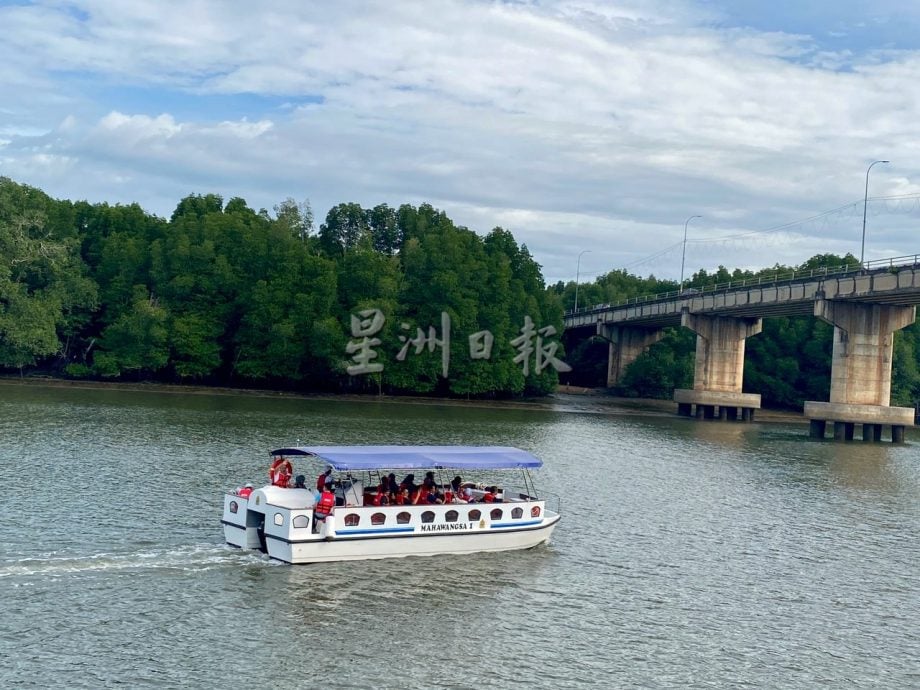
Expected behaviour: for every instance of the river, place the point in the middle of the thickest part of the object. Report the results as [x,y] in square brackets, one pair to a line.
[690,554]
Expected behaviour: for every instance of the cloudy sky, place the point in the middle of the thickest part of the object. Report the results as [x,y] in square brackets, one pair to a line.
[579,125]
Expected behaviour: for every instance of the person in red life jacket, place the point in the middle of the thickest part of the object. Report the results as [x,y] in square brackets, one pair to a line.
[273,469]
[383,493]
[421,496]
[402,497]
[490,495]
[323,478]
[245,491]
[325,504]
[283,473]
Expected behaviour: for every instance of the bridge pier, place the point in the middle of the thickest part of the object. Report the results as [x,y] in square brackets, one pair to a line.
[861,371]
[625,344]
[719,368]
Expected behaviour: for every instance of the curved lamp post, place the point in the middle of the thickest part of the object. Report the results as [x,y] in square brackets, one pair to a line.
[577,271]
[862,251]
[683,255]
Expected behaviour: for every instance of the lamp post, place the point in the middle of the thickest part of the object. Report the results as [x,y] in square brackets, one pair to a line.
[577,271]
[862,251]
[684,254]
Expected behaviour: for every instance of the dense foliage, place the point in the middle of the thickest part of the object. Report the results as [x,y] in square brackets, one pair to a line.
[223,294]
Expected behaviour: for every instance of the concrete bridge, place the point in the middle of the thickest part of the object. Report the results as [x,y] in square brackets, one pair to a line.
[865,305]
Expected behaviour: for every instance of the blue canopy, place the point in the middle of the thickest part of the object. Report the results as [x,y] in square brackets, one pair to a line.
[342,458]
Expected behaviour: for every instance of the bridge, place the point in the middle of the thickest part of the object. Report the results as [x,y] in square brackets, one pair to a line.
[866,305]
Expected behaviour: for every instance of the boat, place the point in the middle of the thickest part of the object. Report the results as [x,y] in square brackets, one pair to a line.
[288,523]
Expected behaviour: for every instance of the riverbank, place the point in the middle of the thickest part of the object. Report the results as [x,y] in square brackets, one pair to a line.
[574,399]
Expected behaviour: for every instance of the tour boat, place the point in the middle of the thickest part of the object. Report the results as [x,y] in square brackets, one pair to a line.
[288,524]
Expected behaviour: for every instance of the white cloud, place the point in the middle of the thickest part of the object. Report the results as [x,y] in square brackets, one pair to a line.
[575,124]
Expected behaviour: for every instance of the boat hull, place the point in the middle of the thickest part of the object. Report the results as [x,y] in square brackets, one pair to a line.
[400,546]
[284,524]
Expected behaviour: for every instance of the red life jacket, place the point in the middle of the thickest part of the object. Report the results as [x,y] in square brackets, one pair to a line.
[488,498]
[273,470]
[245,491]
[325,505]
[321,481]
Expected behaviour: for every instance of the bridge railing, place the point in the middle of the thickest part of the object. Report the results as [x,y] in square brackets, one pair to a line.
[775,279]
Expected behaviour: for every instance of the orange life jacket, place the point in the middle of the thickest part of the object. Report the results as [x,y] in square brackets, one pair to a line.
[325,505]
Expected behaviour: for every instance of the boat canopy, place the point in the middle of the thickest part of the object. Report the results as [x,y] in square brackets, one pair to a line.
[343,458]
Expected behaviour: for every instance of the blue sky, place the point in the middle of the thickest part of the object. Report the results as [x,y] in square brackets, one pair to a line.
[576,124]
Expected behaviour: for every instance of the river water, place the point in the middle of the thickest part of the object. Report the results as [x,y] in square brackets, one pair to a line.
[690,554]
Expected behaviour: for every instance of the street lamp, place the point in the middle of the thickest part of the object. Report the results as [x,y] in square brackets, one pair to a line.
[684,254]
[862,251]
[577,271]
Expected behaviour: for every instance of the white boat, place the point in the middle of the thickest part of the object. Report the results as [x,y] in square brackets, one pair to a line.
[281,522]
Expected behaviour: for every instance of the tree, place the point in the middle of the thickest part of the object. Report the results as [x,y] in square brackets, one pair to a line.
[44,293]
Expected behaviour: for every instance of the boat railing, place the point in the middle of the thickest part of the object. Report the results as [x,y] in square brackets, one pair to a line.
[552,502]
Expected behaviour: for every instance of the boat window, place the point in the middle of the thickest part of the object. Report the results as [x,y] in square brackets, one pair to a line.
[496,514]
[378,519]
[475,515]
[233,507]
[279,519]
[428,516]
[451,516]
[301,521]
[403,518]
[352,520]
[517,512]
[535,511]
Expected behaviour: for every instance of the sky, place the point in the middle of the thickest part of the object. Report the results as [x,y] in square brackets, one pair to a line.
[592,130]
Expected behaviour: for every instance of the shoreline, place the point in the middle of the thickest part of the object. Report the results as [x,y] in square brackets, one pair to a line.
[568,399]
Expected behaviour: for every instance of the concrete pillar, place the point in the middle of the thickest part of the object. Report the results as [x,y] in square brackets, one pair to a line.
[872,433]
[863,339]
[719,350]
[816,428]
[625,344]
[861,368]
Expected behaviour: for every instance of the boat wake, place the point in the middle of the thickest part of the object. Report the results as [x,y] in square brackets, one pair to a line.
[196,557]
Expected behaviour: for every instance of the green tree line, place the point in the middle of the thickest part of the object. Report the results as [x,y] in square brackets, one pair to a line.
[220,293]
[787,363]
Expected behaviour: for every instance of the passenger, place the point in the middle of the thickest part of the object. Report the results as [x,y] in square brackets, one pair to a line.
[300,482]
[321,479]
[402,497]
[467,495]
[283,473]
[324,505]
[409,483]
[452,495]
[273,469]
[420,497]
[394,487]
[493,495]
[245,491]
[383,493]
